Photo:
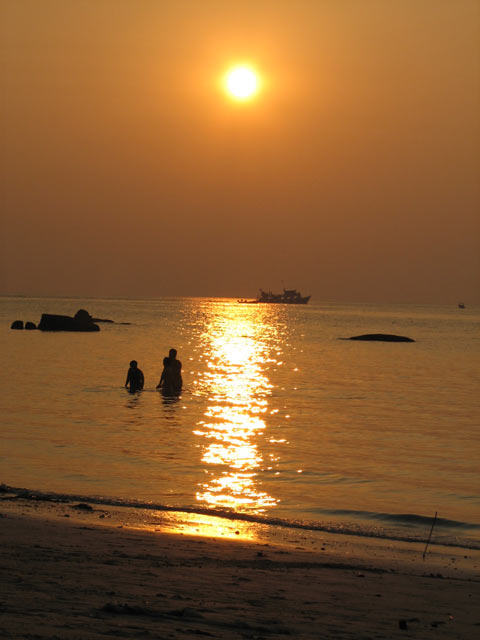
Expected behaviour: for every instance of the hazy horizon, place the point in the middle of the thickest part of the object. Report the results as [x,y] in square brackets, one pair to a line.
[314,300]
[353,175]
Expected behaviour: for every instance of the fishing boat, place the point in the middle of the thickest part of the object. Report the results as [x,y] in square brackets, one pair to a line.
[289,296]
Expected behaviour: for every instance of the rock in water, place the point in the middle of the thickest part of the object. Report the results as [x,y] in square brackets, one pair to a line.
[18,324]
[53,322]
[382,337]
[29,326]
[84,316]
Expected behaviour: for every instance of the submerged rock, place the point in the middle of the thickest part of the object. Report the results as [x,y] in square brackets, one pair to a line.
[382,337]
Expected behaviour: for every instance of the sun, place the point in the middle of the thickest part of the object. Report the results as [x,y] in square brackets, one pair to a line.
[241,82]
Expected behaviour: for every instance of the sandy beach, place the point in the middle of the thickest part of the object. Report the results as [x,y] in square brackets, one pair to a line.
[71,573]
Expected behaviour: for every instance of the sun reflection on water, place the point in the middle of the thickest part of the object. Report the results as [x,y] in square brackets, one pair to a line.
[237,344]
[206,526]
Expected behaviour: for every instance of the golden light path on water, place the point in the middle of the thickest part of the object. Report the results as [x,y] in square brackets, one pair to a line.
[203,525]
[236,345]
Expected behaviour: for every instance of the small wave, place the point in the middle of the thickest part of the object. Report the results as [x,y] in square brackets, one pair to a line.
[406,519]
[344,528]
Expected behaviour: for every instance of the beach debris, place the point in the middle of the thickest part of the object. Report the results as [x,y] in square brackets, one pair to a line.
[83,506]
[403,623]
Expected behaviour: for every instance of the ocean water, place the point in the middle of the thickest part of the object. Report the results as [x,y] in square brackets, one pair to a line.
[279,422]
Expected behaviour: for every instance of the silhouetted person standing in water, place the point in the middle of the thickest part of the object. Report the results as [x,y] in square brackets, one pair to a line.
[166,379]
[134,377]
[171,378]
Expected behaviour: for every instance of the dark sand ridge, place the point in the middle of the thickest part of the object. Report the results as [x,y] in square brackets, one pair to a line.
[83,576]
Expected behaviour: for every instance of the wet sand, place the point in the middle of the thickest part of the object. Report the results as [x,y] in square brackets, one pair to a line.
[70,573]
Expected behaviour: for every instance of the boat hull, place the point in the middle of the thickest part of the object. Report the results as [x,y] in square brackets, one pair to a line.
[287,297]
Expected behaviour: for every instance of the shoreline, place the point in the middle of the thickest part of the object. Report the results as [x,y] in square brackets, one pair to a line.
[82,572]
[418,534]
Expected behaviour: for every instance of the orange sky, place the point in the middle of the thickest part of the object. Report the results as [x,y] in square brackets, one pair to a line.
[354,176]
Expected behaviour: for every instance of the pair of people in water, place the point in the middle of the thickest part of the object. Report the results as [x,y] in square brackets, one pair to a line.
[170,381]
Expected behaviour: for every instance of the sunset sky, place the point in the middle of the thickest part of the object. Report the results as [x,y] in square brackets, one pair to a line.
[352,174]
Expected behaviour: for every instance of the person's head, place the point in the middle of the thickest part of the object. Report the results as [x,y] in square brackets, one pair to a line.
[133,364]
[166,362]
[172,354]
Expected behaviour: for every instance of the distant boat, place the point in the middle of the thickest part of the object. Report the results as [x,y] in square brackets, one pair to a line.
[289,296]
[461,305]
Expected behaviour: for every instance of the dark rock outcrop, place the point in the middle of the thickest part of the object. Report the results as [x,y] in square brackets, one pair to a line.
[30,326]
[382,337]
[84,316]
[81,322]
[18,325]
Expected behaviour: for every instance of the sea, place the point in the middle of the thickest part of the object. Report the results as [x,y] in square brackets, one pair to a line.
[281,423]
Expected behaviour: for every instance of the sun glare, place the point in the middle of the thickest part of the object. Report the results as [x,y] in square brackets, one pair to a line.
[241,83]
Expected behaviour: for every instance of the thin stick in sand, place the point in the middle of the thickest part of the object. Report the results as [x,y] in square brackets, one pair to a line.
[431,531]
